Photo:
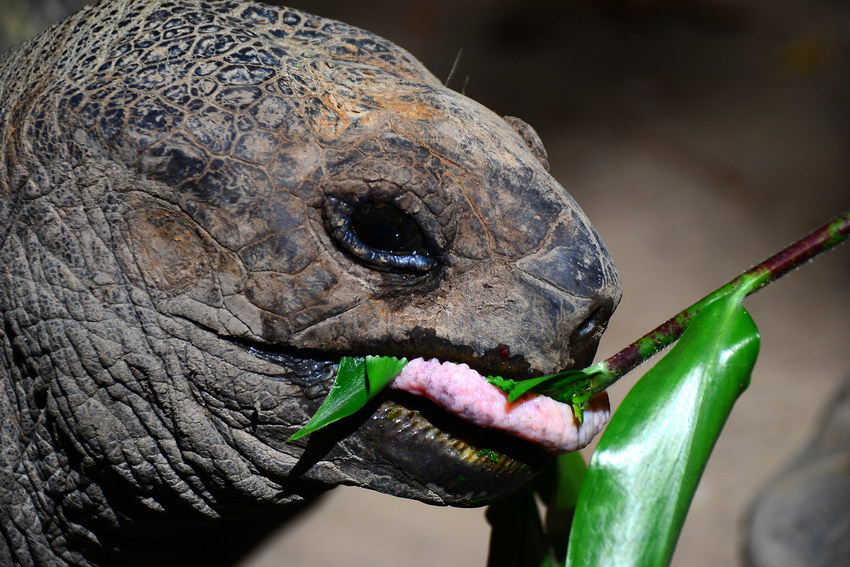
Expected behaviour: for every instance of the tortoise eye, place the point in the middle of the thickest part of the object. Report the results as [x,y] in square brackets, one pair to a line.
[593,326]
[381,236]
[387,229]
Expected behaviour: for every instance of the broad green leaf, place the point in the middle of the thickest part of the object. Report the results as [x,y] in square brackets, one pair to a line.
[646,468]
[358,380]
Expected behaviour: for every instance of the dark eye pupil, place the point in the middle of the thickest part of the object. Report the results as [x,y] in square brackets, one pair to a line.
[387,229]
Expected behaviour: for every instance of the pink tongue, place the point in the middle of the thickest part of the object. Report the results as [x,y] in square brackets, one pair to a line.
[464,392]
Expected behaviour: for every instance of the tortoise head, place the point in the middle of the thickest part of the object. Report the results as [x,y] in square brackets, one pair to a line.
[279,190]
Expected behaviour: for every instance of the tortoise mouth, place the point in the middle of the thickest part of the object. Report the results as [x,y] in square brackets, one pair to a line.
[465,464]
[470,465]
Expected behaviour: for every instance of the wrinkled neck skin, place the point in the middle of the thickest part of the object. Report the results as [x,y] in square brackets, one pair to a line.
[175,287]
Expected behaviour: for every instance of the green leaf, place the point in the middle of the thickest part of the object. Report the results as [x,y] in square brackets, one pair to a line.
[646,468]
[562,386]
[358,380]
[380,371]
[570,387]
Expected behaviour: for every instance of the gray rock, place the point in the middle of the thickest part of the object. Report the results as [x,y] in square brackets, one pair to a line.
[802,517]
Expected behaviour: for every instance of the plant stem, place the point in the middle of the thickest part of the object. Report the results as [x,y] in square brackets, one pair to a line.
[828,236]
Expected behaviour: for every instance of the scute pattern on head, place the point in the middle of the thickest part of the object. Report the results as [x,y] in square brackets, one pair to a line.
[193,197]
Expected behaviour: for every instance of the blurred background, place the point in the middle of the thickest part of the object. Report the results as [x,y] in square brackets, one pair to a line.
[700,136]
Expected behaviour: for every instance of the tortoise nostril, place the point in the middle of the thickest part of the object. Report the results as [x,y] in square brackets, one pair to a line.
[584,340]
[592,327]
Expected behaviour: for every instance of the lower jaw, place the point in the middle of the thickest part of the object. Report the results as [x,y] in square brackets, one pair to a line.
[462,465]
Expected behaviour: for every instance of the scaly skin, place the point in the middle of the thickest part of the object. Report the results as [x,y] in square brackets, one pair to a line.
[177,273]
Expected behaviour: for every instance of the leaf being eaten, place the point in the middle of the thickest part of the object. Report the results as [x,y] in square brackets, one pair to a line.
[358,380]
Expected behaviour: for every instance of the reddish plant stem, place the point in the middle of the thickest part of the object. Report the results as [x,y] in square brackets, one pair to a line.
[824,238]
